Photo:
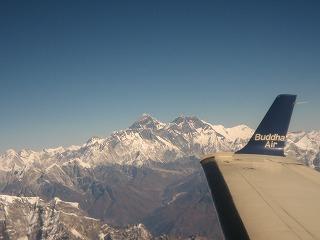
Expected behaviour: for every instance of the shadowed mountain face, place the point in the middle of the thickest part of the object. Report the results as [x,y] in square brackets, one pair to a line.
[148,173]
[33,218]
[188,210]
[157,195]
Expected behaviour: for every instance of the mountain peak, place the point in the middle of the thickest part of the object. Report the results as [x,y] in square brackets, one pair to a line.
[241,131]
[189,122]
[146,121]
[10,153]
[94,140]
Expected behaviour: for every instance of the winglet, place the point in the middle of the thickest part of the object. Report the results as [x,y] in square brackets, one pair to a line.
[270,136]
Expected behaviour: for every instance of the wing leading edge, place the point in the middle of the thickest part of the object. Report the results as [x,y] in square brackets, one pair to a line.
[258,193]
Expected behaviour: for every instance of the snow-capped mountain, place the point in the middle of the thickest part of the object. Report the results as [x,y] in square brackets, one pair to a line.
[148,173]
[305,146]
[151,140]
[33,218]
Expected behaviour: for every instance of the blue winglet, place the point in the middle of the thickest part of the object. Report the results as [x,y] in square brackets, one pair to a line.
[270,136]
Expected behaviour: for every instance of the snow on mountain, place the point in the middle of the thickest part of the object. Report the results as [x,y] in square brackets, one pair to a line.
[148,139]
[34,218]
[105,174]
[305,146]
[240,132]
[147,122]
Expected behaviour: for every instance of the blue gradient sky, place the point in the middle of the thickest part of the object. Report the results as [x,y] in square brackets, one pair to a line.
[73,69]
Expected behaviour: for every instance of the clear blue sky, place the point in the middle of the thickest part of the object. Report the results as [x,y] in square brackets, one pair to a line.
[73,69]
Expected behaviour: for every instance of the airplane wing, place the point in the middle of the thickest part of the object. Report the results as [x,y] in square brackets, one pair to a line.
[261,194]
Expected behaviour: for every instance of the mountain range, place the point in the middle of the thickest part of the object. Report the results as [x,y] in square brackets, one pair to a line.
[148,173]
